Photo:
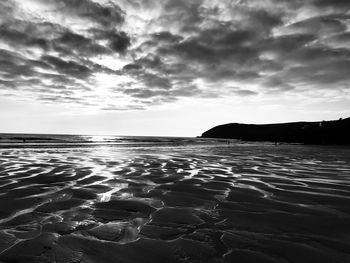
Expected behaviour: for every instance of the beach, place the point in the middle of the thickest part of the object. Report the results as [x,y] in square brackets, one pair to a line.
[173,200]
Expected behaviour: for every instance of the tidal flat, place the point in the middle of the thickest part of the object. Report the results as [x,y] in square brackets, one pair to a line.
[220,202]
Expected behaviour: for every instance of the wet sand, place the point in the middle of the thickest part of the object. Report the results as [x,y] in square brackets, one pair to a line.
[232,203]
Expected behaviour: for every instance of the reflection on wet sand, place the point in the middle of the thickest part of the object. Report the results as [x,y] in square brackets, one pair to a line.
[232,203]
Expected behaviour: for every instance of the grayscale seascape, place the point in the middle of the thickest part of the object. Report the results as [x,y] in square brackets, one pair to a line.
[174,131]
[149,199]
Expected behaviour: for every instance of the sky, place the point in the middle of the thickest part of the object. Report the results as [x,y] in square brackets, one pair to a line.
[170,67]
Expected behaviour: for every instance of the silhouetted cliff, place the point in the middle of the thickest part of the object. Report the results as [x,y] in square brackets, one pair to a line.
[323,132]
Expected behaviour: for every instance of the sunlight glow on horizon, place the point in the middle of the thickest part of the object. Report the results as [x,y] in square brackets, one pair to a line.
[170,67]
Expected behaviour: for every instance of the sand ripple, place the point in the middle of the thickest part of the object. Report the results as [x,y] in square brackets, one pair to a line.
[234,203]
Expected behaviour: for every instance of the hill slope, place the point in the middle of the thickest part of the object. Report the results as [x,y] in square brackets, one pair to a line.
[325,132]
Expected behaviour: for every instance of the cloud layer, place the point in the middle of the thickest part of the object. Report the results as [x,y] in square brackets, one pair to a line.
[117,55]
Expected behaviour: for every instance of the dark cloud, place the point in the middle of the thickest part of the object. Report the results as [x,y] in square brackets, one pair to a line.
[72,43]
[333,72]
[104,15]
[22,75]
[21,33]
[167,37]
[286,43]
[144,93]
[244,92]
[67,67]
[150,61]
[277,83]
[316,55]
[50,36]
[118,41]
[129,67]
[157,52]
[185,91]
[13,66]
[341,40]
[321,25]
[263,20]
[215,45]
[152,81]
[332,3]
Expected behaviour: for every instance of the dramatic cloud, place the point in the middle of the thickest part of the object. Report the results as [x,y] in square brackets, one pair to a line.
[116,55]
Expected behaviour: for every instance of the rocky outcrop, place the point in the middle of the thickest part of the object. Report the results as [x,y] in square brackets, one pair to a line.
[323,132]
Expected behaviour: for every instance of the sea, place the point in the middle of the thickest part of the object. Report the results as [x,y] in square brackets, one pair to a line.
[85,198]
